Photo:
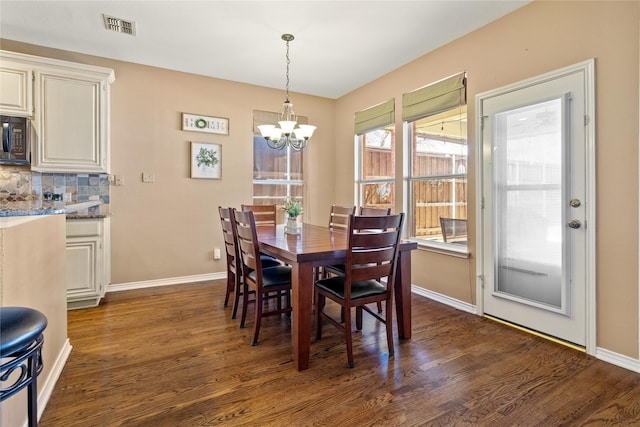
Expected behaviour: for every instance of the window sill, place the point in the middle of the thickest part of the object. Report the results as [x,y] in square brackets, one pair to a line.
[458,251]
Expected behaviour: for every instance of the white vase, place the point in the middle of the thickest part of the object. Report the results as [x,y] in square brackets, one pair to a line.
[291,227]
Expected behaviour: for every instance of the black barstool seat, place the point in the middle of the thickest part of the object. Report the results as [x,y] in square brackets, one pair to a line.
[21,341]
[19,327]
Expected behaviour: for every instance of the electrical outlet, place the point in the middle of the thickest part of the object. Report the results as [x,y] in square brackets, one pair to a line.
[216,253]
[148,177]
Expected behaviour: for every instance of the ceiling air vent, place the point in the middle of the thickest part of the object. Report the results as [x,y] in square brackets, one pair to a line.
[119,25]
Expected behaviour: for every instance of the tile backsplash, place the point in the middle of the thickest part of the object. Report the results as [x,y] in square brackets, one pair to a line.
[27,185]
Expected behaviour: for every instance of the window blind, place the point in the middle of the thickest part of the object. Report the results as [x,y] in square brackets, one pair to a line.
[270,118]
[375,117]
[435,98]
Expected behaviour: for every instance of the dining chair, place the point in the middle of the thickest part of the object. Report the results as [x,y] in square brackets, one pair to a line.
[364,211]
[372,254]
[339,216]
[373,211]
[234,271]
[264,214]
[234,268]
[267,283]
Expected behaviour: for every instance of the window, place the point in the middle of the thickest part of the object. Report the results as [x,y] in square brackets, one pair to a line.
[277,174]
[375,142]
[377,168]
[436,134]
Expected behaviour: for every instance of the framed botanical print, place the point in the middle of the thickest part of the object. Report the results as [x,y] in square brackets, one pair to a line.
[206,160]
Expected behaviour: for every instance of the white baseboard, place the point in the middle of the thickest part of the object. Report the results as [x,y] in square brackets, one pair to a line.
[50,382]
[618,359]
[455,303]
[116,287]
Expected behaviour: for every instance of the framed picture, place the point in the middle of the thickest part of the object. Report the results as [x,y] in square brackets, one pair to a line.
[206,160]
[206,124]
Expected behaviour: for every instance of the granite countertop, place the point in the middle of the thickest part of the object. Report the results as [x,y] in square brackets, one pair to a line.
[73,210]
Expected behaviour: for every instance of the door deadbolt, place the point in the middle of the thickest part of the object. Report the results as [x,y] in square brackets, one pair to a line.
[574,203]
[575,223]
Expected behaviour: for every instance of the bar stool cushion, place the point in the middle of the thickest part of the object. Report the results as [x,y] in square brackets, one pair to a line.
[19,327]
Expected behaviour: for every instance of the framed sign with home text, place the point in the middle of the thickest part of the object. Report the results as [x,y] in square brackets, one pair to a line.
[196,123]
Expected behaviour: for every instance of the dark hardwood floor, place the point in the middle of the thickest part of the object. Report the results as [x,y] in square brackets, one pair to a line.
[171,356]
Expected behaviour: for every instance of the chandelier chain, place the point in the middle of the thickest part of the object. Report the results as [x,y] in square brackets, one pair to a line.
[288,61]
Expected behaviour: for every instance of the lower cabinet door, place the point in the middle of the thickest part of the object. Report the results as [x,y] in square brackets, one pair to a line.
[84,271]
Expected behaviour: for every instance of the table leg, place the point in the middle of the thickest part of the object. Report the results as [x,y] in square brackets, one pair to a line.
[402,295]
[302,284]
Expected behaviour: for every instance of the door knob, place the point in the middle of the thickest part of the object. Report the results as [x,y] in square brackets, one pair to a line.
[574,203]
[575,223]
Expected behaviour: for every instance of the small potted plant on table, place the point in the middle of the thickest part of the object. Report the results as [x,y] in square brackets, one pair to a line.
[293,208]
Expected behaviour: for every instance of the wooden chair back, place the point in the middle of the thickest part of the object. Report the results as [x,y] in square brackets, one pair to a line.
[230,236]
[373,249]
[371,211]
[234,268]
[339,217]
[248,246]
[263,214]
[453,229]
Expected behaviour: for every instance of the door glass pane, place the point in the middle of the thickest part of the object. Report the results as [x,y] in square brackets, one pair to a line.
[528,186]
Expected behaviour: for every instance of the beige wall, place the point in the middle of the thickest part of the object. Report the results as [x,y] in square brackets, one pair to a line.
[168,228]
[32,274]
[540,37]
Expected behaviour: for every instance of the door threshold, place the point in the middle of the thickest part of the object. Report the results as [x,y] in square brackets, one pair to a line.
[538,334]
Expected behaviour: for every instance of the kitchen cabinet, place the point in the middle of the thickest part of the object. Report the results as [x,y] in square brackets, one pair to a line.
[70,120]
[16,94]
[88,261]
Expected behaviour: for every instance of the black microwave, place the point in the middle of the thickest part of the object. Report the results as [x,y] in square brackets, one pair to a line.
[15,140]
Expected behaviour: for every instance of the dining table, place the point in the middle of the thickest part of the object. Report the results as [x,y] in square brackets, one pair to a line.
[317,246]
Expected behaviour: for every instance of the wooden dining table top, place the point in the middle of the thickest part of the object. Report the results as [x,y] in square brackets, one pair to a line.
[315,243]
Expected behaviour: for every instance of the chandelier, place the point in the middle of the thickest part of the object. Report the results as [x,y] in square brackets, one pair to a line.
[287,134]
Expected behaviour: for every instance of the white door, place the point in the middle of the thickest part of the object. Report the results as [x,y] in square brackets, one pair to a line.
[536,217]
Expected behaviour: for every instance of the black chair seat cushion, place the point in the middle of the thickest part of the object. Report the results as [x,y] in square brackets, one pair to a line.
[19,327]
[274,276]
[365,288]
[268,261]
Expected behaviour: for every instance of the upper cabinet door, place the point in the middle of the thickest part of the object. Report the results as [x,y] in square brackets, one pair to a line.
[71,122]
[16,90]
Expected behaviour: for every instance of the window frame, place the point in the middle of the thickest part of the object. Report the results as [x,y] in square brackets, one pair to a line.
[360,181]
[411,179]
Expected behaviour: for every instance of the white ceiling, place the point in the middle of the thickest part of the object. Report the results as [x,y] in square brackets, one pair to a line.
[339,45]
